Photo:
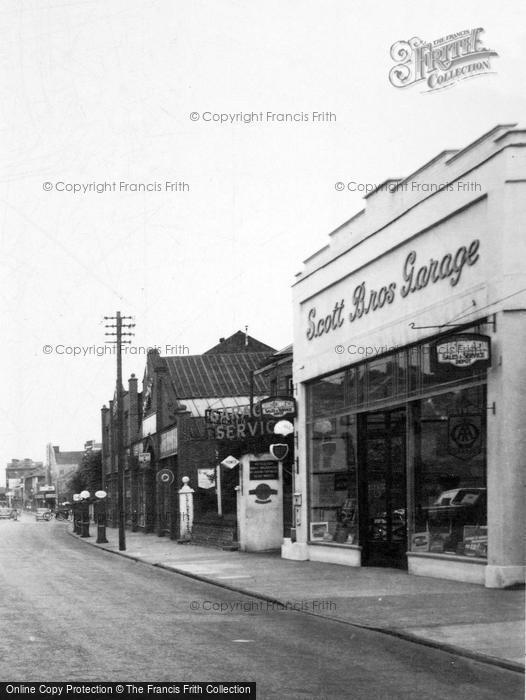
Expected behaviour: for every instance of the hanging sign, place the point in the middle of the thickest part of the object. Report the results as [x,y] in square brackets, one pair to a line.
[461,351]
[278,407]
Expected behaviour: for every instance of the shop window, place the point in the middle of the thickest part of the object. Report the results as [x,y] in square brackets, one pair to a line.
[450,474]
[333,482]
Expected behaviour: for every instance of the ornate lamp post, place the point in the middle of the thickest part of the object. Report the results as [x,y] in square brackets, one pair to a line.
[100,516]
[84,513]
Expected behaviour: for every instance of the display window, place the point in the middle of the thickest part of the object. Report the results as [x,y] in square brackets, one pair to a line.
[333,480]
[450,474]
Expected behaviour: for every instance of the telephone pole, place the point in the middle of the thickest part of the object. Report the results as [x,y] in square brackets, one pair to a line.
[119,333]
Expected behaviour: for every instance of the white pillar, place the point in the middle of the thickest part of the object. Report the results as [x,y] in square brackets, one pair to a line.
[186,509]
[299,550]
[507,451]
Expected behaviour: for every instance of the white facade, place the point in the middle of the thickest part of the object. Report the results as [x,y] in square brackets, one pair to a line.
[419,257]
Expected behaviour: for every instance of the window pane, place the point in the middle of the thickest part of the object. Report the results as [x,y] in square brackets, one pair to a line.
[380,379]
[413,356]
[332,473]
[450,474]
[360,384]
[400,373]
[326,395]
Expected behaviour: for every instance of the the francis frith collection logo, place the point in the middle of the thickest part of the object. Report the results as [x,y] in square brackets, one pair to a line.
[442,62]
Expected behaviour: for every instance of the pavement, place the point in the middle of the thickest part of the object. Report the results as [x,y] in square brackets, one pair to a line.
[465,619]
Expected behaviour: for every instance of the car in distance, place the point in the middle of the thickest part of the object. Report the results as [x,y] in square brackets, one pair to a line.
[42,514]
[5,512]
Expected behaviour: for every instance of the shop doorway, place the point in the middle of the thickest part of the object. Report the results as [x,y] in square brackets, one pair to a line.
[383,508]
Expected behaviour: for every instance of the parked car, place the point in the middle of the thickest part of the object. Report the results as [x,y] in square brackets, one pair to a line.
[43,514]
[5,512]
[467,505]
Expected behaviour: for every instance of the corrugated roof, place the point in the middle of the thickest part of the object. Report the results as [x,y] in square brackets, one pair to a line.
[215,374]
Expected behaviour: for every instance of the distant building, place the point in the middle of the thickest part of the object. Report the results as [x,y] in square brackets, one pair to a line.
[92,446]
[60,467]
[17,472]
[35,491]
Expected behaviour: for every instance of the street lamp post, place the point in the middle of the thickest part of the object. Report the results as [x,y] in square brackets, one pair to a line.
[76,513]
[84,513]
[100,516]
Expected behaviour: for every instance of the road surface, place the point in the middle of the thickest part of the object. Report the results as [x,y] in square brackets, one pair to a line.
[72,612]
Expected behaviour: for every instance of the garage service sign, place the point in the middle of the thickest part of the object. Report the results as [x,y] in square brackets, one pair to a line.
[416,275]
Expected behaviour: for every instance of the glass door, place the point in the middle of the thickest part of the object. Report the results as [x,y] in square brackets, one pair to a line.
[383,489]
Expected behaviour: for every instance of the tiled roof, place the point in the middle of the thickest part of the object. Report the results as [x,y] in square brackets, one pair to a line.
[239,342]
[208,375]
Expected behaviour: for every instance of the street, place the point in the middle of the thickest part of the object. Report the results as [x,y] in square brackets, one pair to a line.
[71,612]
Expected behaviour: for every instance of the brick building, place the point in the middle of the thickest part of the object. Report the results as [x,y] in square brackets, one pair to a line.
[164,429]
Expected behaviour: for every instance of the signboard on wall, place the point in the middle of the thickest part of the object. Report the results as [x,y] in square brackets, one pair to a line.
[264,470]
[149,425]
[165,477]
[169,442]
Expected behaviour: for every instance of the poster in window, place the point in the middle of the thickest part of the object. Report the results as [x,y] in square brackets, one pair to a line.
[319,530]
[465,435]
[323,490]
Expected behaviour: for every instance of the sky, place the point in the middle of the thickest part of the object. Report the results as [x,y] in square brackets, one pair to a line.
[108,95]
